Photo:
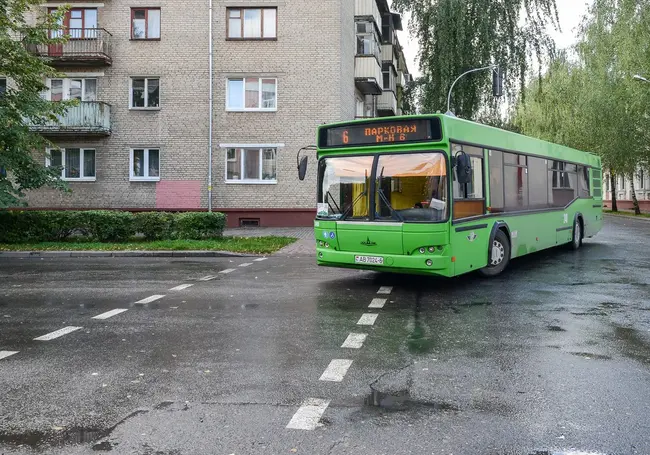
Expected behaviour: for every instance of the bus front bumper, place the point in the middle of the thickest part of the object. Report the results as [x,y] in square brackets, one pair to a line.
[427,264]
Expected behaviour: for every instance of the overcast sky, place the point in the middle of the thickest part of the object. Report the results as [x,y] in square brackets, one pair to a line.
[570,12]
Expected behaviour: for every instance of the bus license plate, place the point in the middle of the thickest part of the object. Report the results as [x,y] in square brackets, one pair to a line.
[369,260]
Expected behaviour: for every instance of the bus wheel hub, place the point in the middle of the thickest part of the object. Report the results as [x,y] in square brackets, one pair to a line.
[498,253]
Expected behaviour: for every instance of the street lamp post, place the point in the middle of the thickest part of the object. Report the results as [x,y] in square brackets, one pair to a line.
[491,67]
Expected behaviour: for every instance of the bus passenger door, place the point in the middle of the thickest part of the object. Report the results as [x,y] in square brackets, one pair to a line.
[469,232]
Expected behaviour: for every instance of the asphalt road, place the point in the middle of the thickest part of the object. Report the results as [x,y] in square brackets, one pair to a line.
[553,357]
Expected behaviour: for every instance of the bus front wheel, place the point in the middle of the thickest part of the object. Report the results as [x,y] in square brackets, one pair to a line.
[499,255]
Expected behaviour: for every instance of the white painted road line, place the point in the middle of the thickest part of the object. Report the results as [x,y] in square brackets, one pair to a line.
[5,354]
[245,264]
[354,341]
[57,334]
[110,314]
[207,278]
[259,259]
[309,414]
[227,271]
[336,370]
[367,319]
[181,287]
[377,303]
[153,298]
[385,290]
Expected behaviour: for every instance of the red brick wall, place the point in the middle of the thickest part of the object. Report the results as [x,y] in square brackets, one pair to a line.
[628,205]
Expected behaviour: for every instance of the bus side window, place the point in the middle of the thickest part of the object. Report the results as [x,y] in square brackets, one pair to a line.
[469,199]
[497,199]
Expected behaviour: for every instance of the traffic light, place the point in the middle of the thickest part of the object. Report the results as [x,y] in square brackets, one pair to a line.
[497,81]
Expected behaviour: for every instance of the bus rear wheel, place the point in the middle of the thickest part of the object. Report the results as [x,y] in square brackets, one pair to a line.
[499,255]
[576,241]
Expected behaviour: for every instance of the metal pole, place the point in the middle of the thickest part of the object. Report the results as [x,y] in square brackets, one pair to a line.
[491,67]
[210,111]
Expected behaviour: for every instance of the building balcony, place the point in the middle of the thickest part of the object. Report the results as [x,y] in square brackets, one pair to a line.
[85,47]
[387,104]
[367,75]
[89,118]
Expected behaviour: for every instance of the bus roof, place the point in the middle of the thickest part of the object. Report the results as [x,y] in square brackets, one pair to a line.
[471,133]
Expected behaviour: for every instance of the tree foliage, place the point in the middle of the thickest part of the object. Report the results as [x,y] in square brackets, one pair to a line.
[592,102]
[459,35]
[22,165]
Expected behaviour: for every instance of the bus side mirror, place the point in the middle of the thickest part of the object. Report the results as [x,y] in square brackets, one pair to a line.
[302,167]
[463,168]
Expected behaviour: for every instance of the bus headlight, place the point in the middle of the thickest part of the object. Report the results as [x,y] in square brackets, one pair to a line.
[432,249]
[422,251]
[429,262]
[327,245]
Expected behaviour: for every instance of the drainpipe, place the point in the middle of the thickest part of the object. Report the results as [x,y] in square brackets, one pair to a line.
[210,46]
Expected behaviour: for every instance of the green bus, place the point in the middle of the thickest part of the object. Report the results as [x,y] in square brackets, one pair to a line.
[439,195]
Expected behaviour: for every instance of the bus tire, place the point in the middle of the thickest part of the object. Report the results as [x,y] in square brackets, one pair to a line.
[499,255]
[576,240]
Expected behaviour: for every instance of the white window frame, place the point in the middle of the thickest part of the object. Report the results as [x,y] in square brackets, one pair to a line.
[242,11]
[146,93]
[66,87]
[259,82]
[261,147]
[81,164]
[146,178]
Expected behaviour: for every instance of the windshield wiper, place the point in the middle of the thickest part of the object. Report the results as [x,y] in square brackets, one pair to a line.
[356,199]
[328,194]
[392,210]
[385,199]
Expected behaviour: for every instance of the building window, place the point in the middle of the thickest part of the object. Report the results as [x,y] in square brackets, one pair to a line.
[641,176]
[251,165]
[252,23]
[367,40]
[145,23]
[252,94]
[145,93]
[77,23]
[72,89]
[77,164]
[145,165]
[3,86]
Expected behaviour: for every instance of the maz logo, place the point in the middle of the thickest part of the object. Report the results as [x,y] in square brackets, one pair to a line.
[369,242]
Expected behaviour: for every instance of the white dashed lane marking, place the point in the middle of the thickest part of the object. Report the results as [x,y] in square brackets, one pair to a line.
[354,341]
[377,303]
[207,278]
[227,271]
[5,354]
[385,290]
[245,264]
[110,314]
[153,298]
[367,319]
[181,287]
[57,334]
[259,259]
[336,370]
[309,414]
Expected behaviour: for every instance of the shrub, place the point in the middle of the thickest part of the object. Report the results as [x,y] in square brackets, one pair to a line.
[108,226]
[54,226]
[154,225]
[199,225]
[14,227]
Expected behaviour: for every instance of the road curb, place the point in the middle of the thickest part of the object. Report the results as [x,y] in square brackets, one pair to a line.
[121,254]
[629,217]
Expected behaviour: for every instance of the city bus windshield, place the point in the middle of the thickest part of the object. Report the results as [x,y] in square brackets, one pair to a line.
[408,187]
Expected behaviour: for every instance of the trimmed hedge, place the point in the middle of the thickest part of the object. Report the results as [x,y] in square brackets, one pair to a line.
[107,225]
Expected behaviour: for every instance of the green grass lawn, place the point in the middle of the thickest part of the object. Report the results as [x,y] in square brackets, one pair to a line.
[626,213]
[257,245]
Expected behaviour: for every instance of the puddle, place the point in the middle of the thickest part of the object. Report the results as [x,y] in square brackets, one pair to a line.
[163,405]
[555,328]
[401,401]
[611,305]
[567,452]
[635,345]
[250,306]
[591,356]
[103,447]
[64,436]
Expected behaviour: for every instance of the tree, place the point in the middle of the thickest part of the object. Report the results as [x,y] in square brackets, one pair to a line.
[22,164]
[459,35]
[593,103]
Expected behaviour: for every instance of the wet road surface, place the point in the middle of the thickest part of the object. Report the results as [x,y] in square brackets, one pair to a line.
[279,356]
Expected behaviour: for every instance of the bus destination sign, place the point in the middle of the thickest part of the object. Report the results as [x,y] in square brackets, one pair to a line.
[374,133]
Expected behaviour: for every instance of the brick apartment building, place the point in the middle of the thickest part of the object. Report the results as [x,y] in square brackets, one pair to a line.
[139,139]
[624,190]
